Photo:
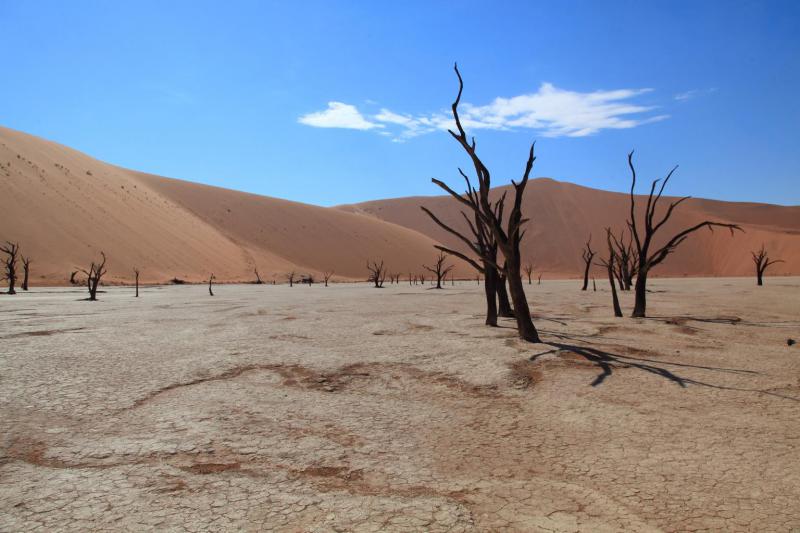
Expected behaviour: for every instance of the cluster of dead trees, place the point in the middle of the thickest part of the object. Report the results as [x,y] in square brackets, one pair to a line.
[637,256]
[9,266]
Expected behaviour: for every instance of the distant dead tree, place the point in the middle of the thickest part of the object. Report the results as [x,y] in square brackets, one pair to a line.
[377,273]
[11,249]
[762,261]
[507,231]
[588,255]
[210,281]
[72,279]
[326,276]
[439,269]
[136,278]
[626,261]
[422,279]
[594,284]
[609,265]
[290,277]
[94,275]
[26,270]
[647,259]
[528,268]
[258,280]
[539,280]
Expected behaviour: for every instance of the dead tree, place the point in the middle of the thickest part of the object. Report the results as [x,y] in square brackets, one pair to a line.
[11,249]
[647,260]
[422,279]
[439,269]
[327,276]
[762,261]
[504,308]
[210,281]
[26,270]
[136,278]
[377,273]
[539,280]
[258,280]
[626,264]
[72,279]
[94,275]
[588,255]
[508,235]
[290,277]
[609,265]
[528,268]
[594,284]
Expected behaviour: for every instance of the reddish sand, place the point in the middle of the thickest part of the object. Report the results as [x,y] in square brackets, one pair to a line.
[64,207]
[563,215]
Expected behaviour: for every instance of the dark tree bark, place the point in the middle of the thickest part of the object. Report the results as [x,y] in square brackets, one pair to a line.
[326,276]
[647,260]
[11,249]
[626,263]
[377,273]
[94,275]
[72,279]
[503,304]
[588,255]
[509,236]
[594,284]
[762,261]
[210,281]
[439,269]
[609,264]
[136,277]
[26,270]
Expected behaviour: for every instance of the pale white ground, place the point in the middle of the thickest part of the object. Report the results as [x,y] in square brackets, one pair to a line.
[354,409]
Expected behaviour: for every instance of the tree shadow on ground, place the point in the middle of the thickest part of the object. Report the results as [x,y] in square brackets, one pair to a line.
[608,362]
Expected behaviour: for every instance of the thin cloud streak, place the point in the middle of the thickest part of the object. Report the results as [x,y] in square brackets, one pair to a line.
[551,111]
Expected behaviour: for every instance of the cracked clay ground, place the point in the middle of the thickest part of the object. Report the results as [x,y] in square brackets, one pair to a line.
[354,409]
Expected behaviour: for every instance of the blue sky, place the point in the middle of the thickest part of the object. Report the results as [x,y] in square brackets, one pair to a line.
[338,102]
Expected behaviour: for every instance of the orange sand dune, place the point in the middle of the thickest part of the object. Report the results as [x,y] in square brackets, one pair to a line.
[64,207]
[563,215]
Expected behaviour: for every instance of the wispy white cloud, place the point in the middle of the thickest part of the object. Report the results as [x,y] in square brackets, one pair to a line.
[338,115]
[551,111]
[688,95]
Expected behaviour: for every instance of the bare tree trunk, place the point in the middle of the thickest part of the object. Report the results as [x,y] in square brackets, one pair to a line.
[760,277]
[614,298]
[525,327]
[504,306]
[640,307]
[136,276]
[26,267]
[594,285]
[490,290]
[210,281]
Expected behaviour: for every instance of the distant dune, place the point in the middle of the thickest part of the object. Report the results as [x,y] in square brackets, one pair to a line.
[563,215]
[64,207]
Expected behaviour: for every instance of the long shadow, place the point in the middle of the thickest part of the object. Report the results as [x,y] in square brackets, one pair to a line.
[608,361]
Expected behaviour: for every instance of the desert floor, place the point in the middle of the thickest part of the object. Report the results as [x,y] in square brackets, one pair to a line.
[354,409]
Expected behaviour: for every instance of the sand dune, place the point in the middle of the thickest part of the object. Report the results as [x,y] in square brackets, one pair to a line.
[64,207]
[563,215]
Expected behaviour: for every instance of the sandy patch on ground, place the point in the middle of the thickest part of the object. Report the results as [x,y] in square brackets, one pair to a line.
[354,409]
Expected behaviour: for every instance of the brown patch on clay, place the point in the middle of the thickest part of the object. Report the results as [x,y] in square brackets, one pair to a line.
[211,468]
[524,374]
